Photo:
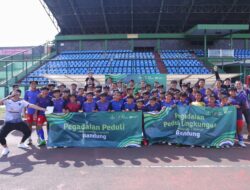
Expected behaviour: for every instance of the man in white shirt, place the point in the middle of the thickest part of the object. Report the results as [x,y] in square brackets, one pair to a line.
[13,119]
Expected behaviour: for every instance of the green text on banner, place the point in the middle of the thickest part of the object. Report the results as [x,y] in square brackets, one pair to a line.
[192,125]
[101,129]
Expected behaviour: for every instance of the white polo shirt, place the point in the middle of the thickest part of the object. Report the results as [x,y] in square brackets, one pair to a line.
[14,110]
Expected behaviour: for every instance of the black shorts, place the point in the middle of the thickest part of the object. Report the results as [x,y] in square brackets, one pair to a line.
[8,127]
[246,114]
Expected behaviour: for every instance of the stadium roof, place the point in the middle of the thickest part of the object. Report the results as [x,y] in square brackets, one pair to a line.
[144,16]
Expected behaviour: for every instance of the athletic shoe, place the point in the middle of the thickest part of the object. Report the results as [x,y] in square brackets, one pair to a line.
[41,142]
[242,144]
[5,151]
[29,141]
[191,146]
[24,146]
[169,144]
[145,142]
[248,137]
[203,147]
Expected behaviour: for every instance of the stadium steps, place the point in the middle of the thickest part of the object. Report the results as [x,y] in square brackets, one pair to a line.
[206,63]
[160,64]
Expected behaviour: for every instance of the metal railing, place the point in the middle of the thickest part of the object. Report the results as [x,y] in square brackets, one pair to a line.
[14,67]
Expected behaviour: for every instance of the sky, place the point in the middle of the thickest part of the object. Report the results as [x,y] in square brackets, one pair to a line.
[24,23]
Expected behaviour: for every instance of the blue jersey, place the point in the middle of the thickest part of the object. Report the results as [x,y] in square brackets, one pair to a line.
[58,105]
[167,104]
[81,99]
[247,91]
[89,106]
[145,102]
[103,106]
[96,98]
[51,94]
[129,107]
[43,102]
[180,103]
[237,101]
[191,98]
[205,100]
[31,97]
[242,96]
[203,92]
[149,108]
[109,98]
[125,99]
[140,109]
[216,105]
[116,105]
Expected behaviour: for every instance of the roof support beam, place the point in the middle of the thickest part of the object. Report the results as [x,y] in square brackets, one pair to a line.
[132,16]
[76,16]
[188,14]
[229,10]
[52,18]
[159,17]
[104,17]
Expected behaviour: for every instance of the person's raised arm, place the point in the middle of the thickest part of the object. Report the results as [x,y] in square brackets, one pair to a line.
[6,98]
[180,83]
[216,73]
[36,107]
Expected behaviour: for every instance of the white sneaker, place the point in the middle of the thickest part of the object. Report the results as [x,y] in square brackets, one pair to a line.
[23,145]
[242,144]
[5,151]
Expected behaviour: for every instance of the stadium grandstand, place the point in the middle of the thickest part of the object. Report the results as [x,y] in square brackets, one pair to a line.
[180,38]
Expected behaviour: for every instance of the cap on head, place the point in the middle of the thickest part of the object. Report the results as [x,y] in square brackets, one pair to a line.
[51,84]
[232,89]
[44,88]
[90,93]
[139,100]
[66,90]
[103,94]
[56,91]
[106,87]
[62,85]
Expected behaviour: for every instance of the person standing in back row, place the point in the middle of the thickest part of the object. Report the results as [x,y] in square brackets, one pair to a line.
[31,97]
